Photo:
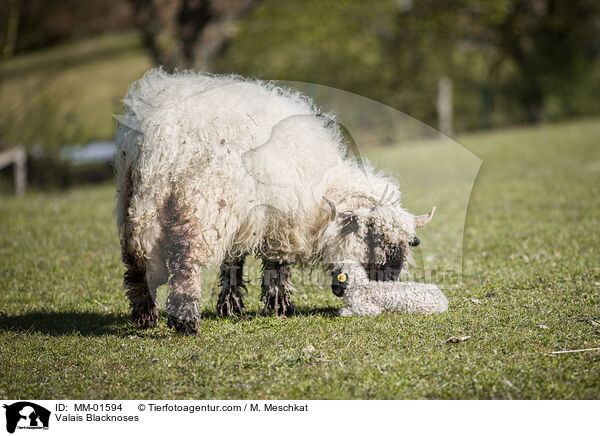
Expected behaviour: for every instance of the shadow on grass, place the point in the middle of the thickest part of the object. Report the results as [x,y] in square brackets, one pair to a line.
[62,323]
[65,323]
[325,312]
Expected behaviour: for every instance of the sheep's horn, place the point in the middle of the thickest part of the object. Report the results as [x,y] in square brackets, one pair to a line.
[421,220]
[381,200]
[333,208]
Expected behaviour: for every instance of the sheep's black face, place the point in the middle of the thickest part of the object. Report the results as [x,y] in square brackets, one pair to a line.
[339,282]
[385,259]
[376,241]
[394,256]
[386,267]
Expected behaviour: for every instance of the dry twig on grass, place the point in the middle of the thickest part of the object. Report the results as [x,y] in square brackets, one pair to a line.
[575,351]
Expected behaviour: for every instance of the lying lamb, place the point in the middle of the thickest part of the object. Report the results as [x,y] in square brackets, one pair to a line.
[367,297]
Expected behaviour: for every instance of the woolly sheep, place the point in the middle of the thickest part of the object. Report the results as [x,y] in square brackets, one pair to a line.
[213,168]
[366,297]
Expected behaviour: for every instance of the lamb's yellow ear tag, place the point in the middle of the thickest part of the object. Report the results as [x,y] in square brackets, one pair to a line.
[342,277]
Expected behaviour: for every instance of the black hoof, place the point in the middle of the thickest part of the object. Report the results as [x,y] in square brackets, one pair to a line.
[185,327]
[279,307]
[230,303]
[145,316]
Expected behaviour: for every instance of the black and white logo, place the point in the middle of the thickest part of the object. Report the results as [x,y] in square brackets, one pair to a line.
[26,415]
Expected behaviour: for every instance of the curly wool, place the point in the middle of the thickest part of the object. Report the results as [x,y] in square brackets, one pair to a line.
[365,297]
[244,166]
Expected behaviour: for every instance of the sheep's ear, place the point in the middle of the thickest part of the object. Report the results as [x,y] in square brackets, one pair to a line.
[349,224]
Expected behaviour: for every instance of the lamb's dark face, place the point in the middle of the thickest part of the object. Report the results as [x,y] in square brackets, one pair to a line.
[339,281]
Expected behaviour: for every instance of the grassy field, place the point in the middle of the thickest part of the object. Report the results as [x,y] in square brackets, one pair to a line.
[66,94]
[531,285]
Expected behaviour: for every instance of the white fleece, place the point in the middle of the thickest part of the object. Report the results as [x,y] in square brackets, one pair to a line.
[365,297]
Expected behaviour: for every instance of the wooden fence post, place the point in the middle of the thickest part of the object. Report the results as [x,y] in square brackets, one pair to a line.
[444,106]
[18,158]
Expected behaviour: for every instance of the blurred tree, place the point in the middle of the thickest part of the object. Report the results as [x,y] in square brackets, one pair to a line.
[33,24]
[12,26]
[421,50]
[549,42]
[535,47]
[396,51]
[328,42]
[511,61]
[188,33]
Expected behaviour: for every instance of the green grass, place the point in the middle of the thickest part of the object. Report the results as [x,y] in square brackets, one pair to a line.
[530,258]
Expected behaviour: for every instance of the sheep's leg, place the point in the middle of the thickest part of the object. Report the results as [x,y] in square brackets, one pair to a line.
[232,283]
[277,289]
[144,311]
[183,252]
[182,306]
[184,292]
